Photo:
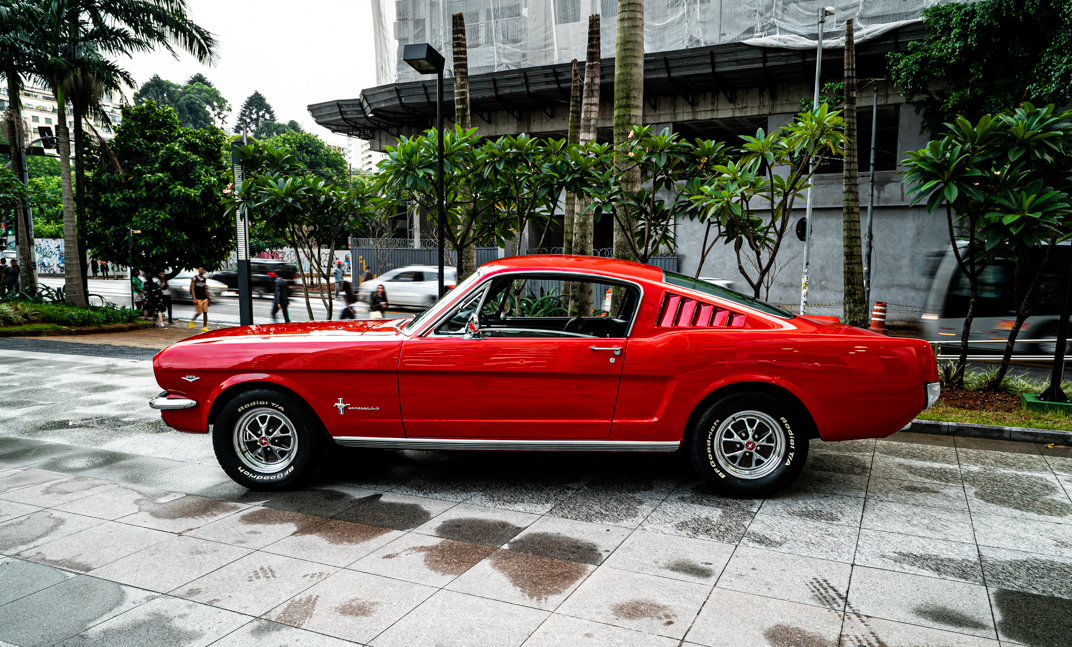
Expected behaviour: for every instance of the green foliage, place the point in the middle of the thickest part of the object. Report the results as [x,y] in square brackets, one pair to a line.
[271,129]
[40,167]
[832,94]
[197,104]
[171,189]
[311,154]
[20,313]
[986,57]
[46,198]
[255,110]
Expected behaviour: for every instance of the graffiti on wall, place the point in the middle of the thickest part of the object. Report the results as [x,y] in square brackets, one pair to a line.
[47,251]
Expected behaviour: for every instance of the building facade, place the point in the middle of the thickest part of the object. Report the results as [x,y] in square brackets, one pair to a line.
[39,108]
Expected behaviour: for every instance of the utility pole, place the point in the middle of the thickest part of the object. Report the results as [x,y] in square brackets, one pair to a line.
[870,199]
[823,13]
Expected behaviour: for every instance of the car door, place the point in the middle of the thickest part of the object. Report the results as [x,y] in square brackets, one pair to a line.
[455,385]
[400,289]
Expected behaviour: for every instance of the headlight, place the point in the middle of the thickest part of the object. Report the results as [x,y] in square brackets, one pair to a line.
[934,389]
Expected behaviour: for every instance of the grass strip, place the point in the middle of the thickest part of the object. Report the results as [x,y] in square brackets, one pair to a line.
[1020,418]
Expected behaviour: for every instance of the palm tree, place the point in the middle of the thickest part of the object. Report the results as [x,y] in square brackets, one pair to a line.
[628,102]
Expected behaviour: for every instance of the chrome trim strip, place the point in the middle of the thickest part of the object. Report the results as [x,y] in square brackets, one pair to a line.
[165,403]
[550,445]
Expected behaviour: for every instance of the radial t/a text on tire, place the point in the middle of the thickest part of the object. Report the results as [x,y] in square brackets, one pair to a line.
[749,445]
[267,440]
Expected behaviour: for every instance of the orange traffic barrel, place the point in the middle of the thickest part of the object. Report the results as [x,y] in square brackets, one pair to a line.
[878,317]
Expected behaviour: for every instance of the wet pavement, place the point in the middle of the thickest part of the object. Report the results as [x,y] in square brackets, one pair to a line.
[115,530]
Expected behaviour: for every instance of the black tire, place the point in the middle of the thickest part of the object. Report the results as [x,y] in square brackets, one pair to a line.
[273,468]
[726,422]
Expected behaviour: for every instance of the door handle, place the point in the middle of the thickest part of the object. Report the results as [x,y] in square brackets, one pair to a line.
[617,349]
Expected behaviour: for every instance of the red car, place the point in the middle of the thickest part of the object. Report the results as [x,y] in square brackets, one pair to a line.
[657,362]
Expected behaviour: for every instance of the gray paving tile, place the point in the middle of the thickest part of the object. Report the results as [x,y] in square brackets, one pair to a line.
[761,622]
[679,558]
[723,524]
[655,605]
[319,502]
[616,500]
[523,496]
[915,492]
[256,583]
[163,621]
[945,455]
[840,462]
[448,485]
[921,521]
[805,580]
[333,542]
[803,537]
[1016,494]
[170,564]
[63,610]
[522,578]
[1059,465]
[1023,534]
[19,578]
[864,446]
[183,514]
[451,619]
[262,633]
[478,524]
[35,453]
[927,601]
[560,630]
[841,510]
[830,483]
[94,547]
[231,491]
[189,479]
[39,527]
[56,493]
[255,527]
[863,630]
[134,470]
[351,605]
[17,479]
[920,555]
[994,445]
[119,501]
[1032,619]
[576,541]
[11,510]
[394,511]
[82,460]
[426,560]
[1003,460]
[906,469]
[1031,572]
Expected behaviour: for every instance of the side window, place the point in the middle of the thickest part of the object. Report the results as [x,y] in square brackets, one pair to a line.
[408,277]
[553,306]
[455,323]
[258,268]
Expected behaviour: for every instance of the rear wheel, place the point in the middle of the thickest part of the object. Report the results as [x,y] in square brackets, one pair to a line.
[749,445]
[267,440]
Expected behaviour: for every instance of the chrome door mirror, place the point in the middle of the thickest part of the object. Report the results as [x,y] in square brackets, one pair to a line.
[472,329]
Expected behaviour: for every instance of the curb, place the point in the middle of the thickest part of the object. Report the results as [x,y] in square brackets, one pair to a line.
[84,330]
[993,432]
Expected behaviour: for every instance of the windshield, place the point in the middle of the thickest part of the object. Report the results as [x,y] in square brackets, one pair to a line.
[724,293]
[432,312]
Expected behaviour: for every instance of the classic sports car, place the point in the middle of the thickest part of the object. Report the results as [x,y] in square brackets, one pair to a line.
[498,363]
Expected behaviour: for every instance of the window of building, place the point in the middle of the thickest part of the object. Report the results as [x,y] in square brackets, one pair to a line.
[36,119]
[567,11]
[48,120]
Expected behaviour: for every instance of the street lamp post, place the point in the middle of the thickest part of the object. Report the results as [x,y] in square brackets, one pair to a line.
[823,13]
[130,257]
[242,269]
[426,60]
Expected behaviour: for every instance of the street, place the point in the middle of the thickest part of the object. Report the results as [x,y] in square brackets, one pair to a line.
[113,526]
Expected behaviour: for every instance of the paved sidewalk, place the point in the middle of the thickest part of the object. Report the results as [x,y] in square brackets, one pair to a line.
[880,544]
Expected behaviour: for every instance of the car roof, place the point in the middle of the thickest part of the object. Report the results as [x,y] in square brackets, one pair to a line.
[562,262]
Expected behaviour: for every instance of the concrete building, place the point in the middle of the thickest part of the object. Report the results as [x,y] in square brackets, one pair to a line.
[39,108]
[743,65]
[360,156]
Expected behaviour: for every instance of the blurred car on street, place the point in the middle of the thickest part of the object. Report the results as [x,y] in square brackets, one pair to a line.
[260,283]
[180,286]
[415,286]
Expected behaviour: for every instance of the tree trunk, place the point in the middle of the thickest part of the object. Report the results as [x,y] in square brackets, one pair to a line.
[855,305]
[73,289]
[581,294]
[80,196]
[573,136]
[461,72]
[628,106]
[27,276]
[466,262]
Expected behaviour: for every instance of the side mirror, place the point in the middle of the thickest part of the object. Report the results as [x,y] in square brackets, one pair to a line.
[472,330]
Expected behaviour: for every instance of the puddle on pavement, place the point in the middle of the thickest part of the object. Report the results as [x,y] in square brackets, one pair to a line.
[961,569]
[535,576]
[815,515]
[323,503]
[489,532]
[691,568]
[1032,619]
[272,517]
[342,532]
[728,528]
[192,507]
[782,635]
[158,628]
[948,617]
[69,563]
[1020,492]
[551,544]
[373,511]
[72,485]
[28,529]
[448,557]
[1043,576]
[298,611]
[76,462]
[357,608]
[643,610]
[950,475]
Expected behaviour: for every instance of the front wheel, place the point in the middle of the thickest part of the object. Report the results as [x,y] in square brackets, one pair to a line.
[266,440]
[749,445]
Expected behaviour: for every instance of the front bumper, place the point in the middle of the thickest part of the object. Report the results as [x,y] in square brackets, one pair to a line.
[164,402]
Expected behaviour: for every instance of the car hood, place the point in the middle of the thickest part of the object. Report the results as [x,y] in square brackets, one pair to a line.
[310,329]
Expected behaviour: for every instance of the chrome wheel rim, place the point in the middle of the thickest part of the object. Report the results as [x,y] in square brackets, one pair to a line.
[749,445]
[265,441]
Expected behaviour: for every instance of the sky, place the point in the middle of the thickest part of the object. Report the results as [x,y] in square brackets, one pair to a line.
[294,52]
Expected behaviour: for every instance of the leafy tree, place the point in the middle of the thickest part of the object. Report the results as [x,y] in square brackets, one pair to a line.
[198,105]
[198,77]
[255,110]
[986,57]
[269,129]
[628,111]
[312,154]
[46,198]
[171,189]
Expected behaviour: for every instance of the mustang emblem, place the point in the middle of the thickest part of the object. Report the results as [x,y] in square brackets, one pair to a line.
[191,378]
[341,406]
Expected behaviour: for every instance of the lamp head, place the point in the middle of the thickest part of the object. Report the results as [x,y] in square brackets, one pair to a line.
[828,11]
[423,58]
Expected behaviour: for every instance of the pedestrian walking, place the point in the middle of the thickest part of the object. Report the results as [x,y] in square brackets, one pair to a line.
[378,302]
[165,295]
[11,278]
[340,274]
[348,299]
[139,291]
[104,269]
[367,276]
[281,296]
[199,290]
[94,267]
[154,300]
